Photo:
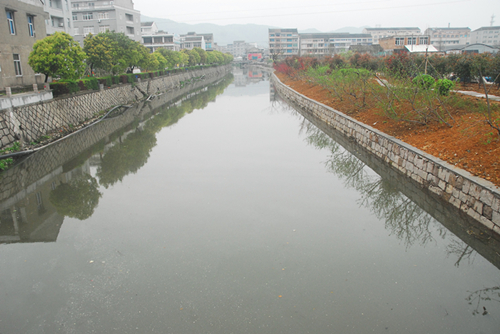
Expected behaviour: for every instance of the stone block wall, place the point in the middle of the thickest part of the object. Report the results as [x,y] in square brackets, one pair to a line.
[30,122]
[478,198]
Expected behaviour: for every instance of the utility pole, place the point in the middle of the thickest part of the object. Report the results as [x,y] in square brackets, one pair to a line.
[492,20]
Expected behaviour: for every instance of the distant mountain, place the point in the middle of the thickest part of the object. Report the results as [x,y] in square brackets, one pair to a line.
[224,35]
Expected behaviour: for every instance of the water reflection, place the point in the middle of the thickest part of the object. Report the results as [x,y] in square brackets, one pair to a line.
[247,75]
[399,204]
[33,208]
[403,218]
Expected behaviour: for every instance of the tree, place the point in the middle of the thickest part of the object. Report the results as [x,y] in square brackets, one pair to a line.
[172,57]
[162,62]
[100,50]
[58,55]
[203,55]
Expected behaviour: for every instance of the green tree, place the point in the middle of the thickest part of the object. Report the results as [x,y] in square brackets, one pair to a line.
[203,55]
[101,52]
[58,55]
[172,57]
[162,62]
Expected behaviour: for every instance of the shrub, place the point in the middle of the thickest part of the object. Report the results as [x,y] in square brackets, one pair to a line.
[444,86]
[72,85]
[123,78]
[423,81]
[81,85]
[116,80]
[131,77]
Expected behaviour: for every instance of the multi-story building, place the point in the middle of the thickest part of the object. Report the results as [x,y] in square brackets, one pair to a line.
[486,35]
[331,43]
[239,48]
[60,16]
[283,43]
[192,40]
[155,39]
[209,41]
[95,16]
[24,24]
[378,33]
[445,37]
[399,43]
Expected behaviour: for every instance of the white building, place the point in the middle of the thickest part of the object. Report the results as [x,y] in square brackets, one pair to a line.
[60,17]
[379,32]
[331,43]
[95,16]
[191,40]
[442,38]
[283,42]
[155,39]
[486,35]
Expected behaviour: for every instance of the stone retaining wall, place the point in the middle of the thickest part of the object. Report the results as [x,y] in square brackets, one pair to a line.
[30,122]
[476,197]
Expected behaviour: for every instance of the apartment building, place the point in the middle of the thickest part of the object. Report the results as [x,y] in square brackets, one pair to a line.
[95,16]
[378,33]
[341,42]
[283,43]
[192,40]
[155,39]
[486,35]
[60,16]
[209,41]
[442,38]
[24,24]
[240,48]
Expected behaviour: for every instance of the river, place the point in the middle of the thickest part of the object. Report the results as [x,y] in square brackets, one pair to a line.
[224,210]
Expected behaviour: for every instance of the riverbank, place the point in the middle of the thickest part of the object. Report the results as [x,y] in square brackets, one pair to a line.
[478,198]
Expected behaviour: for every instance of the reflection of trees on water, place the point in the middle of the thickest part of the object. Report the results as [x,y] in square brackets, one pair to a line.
[402,217]
[125,157]
[480,298]
[131,153]
[461,250]
[77,198]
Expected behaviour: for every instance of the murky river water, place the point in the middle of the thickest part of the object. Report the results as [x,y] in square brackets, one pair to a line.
[228,212]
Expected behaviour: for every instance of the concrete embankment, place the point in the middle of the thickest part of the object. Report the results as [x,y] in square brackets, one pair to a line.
[477,198]
[29,122]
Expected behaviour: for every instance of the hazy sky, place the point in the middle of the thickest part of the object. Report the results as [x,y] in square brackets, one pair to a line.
[328,15]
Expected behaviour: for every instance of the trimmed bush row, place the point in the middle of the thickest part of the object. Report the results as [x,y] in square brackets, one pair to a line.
[67,86]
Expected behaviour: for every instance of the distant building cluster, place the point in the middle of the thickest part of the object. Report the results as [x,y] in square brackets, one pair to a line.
[289,42]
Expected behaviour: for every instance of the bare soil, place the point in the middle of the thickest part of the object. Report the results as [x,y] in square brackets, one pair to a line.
[470,143]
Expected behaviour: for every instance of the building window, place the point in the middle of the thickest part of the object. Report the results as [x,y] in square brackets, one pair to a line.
[88,30]
[103,28]
[75,17]
[129,17]
[88,16]
[76,31]
[130,30]
[400,41]
[17,64]
[31,29]
[103,15]
[10,21]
